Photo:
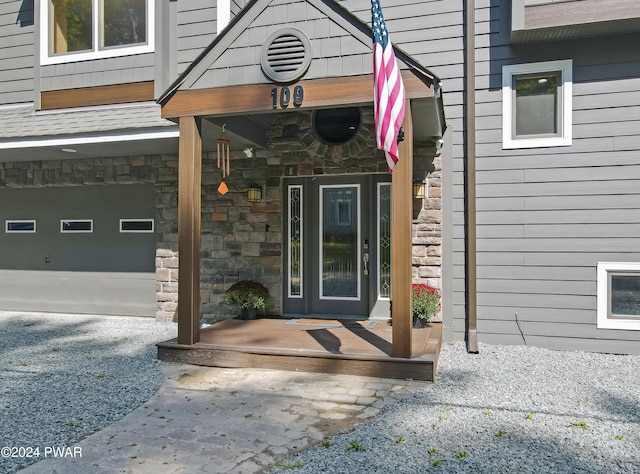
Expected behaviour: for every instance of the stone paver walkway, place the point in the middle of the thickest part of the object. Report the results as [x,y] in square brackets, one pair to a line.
[229,420]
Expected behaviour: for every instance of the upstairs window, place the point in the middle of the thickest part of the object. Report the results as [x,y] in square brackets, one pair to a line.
[75,30]
[536,101]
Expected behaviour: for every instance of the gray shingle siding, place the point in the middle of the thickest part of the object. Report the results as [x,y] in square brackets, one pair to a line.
[236,6]
[98,72]
[340,55]
[16,52]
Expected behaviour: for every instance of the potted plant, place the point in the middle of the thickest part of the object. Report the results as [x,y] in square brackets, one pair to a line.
[425,303]
[249,296]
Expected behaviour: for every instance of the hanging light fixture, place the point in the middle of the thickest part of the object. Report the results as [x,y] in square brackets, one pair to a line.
[224,145]
[255,193]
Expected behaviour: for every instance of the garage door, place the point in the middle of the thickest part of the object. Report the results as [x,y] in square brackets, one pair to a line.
[84,249]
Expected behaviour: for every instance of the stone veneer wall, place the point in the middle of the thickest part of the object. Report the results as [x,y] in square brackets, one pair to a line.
[242,240]
[427,227]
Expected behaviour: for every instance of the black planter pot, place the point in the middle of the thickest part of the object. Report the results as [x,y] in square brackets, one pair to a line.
[248,313]
[419,323]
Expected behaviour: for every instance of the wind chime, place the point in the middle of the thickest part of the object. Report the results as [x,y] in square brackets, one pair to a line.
[224,146]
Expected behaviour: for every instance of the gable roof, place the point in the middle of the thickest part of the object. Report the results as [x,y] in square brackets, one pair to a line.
[342,46]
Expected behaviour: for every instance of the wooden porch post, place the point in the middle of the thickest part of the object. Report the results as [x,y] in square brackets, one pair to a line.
[401,207]
[189,204]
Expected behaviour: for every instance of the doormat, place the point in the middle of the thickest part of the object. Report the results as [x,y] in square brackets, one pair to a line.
[366,324]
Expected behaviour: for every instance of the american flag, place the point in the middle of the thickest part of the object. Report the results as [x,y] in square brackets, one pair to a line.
[389,98]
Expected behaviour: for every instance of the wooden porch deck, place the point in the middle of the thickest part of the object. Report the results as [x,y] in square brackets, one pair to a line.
[310,345]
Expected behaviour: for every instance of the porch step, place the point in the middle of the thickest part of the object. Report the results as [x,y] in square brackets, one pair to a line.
[338,349]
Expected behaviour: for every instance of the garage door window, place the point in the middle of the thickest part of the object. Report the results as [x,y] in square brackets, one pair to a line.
[136,225]
[76,226]
[20,227]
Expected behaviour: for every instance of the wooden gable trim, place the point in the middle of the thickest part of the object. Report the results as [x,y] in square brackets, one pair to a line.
[99,95]
[326,92]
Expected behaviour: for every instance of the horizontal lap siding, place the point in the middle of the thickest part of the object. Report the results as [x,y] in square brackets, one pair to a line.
[197,28]
[431,31]
[547,216]
[16,52]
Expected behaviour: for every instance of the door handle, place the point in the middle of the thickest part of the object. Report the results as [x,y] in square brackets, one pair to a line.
[365,261]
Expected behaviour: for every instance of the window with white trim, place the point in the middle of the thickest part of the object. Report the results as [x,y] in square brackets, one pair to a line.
[618,295]
[136,226]
[78,30]
[20,226]
[77,226]
[536,104]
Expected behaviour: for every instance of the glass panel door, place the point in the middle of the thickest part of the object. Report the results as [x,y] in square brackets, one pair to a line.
[339,252]
[337,246]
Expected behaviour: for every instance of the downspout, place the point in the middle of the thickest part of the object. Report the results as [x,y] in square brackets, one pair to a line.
[471,315]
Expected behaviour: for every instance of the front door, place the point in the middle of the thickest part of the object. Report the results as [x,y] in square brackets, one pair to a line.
[332,251]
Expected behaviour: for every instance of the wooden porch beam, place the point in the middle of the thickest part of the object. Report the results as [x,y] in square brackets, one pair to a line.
[401,230]
[189,220]
[326,92]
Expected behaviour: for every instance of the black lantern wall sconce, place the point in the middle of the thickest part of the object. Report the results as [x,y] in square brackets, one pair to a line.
[418,189]
[255,193]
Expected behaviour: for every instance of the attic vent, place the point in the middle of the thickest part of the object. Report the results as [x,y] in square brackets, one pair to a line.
[286,55]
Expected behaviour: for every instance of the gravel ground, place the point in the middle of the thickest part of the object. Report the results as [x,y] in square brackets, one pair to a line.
[64,377]
[507,409]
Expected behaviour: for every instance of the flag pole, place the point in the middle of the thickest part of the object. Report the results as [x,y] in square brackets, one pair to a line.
[390,110]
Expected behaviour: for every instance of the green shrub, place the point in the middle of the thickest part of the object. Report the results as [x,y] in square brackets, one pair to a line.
[247,294]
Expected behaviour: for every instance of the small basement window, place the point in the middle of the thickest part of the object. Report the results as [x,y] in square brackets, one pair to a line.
[76,226]
[136,225]
[618,295]
[20,226]
[336,126]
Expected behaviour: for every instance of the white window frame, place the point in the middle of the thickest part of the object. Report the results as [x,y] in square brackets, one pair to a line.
[508,72]
[97,53]
[302,242]
[321,294]
[64,231]
[12,221]
[604,296]
[125,231]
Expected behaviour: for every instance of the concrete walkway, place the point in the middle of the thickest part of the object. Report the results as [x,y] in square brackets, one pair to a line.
[229,420]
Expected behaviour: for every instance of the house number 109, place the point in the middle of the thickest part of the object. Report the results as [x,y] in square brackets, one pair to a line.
[284,97]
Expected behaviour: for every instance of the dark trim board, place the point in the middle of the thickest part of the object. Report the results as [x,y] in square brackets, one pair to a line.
[98,95]
[256,98]
[278,353]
